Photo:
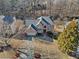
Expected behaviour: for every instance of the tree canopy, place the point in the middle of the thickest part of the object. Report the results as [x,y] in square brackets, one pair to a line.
[68,39]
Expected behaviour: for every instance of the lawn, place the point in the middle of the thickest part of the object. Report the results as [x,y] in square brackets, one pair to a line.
[48,50]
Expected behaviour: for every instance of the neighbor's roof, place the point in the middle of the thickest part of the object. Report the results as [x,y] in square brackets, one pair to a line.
[8,19]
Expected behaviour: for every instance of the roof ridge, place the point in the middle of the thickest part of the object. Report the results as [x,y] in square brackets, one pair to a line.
[45,21]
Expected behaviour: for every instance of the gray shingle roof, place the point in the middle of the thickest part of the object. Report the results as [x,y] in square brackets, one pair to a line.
[45,19]
[29,22]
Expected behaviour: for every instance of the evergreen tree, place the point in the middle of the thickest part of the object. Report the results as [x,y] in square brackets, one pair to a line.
[68,39]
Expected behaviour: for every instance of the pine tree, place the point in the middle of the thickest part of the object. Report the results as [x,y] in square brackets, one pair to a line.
[68,39]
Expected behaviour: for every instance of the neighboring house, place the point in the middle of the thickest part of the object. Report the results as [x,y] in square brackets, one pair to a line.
[8,20]
[7,25]
[45,21]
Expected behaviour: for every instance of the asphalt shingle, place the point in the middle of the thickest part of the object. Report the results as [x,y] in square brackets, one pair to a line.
[8,19]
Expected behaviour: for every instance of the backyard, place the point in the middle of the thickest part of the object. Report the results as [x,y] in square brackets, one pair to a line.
[48,50]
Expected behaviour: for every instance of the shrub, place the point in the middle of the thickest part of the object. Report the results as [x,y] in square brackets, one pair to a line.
[68,39]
